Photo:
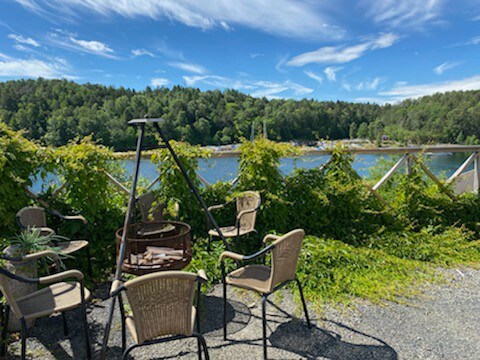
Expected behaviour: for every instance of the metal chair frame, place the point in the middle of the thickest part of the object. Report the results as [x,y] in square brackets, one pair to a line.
[67,218]
[260,255]
[23,333]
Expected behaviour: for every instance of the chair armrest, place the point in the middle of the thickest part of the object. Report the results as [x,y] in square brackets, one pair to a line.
[270,237]
[41,254]
[47,230]
[117,287]
[231,255]
[69,217]
[215,207]
[202,276]
[243,212]
[51,279]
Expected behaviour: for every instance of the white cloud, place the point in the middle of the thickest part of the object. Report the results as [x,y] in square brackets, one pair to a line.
[401,92]
[473,41]
[256,88]
[255,55]
[23,40]
[331,72]
[69,41]
[314,76]
[369,85]
[141,52]
[280,66]
[440,69]
[404,13]
[14,67]
[342,54]
[298,19]
[189,67]
[159,82]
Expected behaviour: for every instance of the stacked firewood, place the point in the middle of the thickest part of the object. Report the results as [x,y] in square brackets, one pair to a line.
[156,256]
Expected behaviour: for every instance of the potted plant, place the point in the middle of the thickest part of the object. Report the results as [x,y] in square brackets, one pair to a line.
[29,241]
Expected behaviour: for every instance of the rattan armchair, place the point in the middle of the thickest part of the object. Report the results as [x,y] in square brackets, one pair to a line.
[247,205]
[58,296]
[162,309]
[33,216]
[264,279]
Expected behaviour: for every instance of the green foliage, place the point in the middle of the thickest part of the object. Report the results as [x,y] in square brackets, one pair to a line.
[30,241]
[20,160]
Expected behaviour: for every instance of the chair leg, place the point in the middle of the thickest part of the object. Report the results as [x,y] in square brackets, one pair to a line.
[264,326]
[89,262]
[205,349]
[24,338]
[126,352]
[303,302]
[85,323]
[6,315]
[224,304]
[122,315]
[209,242]
[65,326]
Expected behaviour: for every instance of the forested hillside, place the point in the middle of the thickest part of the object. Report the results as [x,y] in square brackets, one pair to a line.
[55,111]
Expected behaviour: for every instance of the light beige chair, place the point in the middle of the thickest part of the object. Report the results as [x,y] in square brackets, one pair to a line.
[162,308]
[247,205]
[59,296]
[33,216]
[263,279]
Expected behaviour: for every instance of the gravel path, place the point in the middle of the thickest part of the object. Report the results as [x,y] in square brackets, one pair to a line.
[440,324]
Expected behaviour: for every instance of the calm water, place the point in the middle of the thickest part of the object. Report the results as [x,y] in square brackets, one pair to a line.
[226,168]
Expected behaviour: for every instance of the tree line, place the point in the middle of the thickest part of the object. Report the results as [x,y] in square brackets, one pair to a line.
[57,111]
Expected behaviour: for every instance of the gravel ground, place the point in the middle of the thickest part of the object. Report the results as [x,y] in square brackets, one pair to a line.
[440,324]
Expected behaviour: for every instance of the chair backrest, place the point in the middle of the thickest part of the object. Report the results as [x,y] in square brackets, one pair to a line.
[162,303]
[150,208]
[249,200]
[285,257]
[32,216]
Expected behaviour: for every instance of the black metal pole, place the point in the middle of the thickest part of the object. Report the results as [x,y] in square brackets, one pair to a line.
[121,252]
[192,186]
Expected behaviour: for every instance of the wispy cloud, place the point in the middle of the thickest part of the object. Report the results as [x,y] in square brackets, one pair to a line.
[142,52]
[23,40]
[401,92]
[189,67]
[368,85]
[14,67]
[331,72]
[280,66]
[255,55]
[471,42]
[342,54]
[405,13]
[314,76]
[298,19]
[69,41]
[159,82]
[257,88]
[440,69]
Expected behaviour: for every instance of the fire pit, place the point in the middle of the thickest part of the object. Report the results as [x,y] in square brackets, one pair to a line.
[156,246]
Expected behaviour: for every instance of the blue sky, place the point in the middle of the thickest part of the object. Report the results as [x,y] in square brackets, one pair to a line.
[377,51]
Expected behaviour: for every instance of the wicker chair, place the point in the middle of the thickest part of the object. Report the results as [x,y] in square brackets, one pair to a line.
[247,207]
[263,279]
[162,309]
[33,216]
[152,212]
[59,296]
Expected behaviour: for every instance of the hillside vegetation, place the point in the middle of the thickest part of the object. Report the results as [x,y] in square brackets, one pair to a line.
[56,111]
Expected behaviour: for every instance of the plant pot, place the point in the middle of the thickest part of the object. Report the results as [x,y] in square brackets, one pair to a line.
[26,269]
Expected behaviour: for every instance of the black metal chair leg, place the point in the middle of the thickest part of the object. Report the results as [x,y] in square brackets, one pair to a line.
[6,315]
[224,304]
[122,316]
[89,262]
[24,338]
[264,326]
[303,303]
[126,352]
[85,323]
[65,326]
[205,349]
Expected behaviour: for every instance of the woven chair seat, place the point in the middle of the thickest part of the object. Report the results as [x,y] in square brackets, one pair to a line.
[229,231]
[130,322]
[253,277]
[69,247]
[58,297]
